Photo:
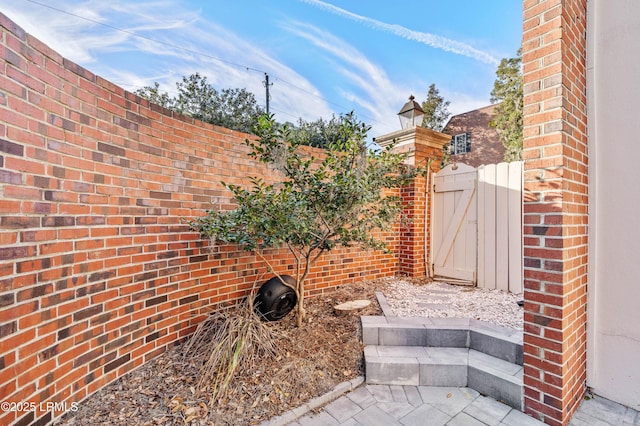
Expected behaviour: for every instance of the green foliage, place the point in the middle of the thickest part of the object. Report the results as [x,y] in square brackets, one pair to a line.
[318,204]
[153,94]
[235,109]
[320,133]
[435,109]
[507,89]
[196,98]
[446,156]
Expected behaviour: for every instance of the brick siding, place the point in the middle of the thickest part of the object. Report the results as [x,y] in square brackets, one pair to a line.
[486,147]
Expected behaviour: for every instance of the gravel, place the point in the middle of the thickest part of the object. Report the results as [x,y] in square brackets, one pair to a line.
[410,298]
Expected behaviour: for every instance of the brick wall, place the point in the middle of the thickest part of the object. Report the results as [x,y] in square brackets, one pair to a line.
[415,236]
[411,250]
[98,271]
[555,208]
[486,147]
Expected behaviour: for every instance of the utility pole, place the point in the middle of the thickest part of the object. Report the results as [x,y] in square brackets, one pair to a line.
[266,85]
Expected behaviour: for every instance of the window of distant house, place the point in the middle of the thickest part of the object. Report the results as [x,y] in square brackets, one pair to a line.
[460,144]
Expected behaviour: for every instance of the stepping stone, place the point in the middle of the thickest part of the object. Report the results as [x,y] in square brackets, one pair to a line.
[433,298]
[351,306]
[434,306]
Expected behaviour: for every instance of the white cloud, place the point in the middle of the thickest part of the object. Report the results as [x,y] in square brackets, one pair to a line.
[79,31]
[366,84]
[174,39]
[432,40]
[462,102]
[161,41]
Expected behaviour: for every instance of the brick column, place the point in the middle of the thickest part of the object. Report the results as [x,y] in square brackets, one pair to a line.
[421,145]
[555,208]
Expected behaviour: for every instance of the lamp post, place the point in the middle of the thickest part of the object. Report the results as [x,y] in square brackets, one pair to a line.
[413,136]
[411,114]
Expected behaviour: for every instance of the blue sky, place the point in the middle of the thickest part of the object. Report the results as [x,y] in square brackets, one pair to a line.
[323,57]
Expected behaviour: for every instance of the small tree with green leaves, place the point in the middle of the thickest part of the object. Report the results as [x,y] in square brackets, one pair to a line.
[507,89]
[342,199]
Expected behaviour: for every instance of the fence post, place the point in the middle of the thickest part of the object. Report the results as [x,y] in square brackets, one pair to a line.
[424,149]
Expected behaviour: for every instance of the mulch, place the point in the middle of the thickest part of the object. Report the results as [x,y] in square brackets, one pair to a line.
[326,351]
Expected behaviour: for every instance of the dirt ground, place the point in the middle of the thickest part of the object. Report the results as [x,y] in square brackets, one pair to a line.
[326,351]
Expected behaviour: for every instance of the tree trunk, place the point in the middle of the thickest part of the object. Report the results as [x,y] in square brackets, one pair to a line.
[301,311]
[309,261]
[300,317]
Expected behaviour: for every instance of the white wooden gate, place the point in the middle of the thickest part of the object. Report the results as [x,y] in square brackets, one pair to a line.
[454,230]
[477,225]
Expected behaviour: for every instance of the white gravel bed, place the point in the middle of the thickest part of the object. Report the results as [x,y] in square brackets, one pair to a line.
[441,300]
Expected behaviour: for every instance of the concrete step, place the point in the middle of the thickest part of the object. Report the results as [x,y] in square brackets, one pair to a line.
[450,367]
[499,379]
[450,352]
[500,342]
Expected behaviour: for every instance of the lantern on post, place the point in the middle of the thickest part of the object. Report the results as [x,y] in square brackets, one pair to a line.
[411,114]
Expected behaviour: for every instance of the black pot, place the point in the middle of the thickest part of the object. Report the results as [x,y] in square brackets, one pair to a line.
[275,300]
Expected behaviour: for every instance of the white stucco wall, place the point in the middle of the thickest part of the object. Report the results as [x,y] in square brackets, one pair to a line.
[613,362]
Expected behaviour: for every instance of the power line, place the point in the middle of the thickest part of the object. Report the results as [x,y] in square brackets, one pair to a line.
[196,52]
[175,46]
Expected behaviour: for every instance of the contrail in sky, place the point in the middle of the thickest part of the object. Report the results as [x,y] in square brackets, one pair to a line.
[432,40]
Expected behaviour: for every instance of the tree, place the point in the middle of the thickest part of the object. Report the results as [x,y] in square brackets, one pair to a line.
[507,89]
[318,205]
[435,110]
[320,133]
[196,98]
[235,109]
[153,94]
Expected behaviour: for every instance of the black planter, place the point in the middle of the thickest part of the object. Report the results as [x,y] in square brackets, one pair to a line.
[275,300]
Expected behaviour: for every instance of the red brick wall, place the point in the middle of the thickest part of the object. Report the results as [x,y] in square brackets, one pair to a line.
[98,270]
[411,250]
[555,209]
[415,239]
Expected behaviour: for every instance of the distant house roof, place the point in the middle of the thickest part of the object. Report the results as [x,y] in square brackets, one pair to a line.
[483,144]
